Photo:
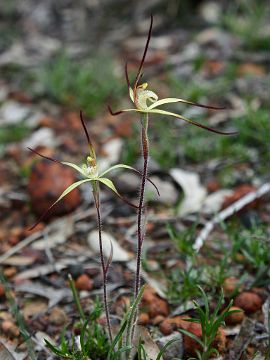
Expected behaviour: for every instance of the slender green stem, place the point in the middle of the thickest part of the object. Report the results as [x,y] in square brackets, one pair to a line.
[76,297]
[102,259]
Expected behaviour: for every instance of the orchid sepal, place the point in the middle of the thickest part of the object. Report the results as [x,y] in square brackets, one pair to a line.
[118,166]
[164,112]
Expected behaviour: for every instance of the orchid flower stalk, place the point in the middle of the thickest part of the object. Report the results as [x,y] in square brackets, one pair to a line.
[147,103]
[90,173]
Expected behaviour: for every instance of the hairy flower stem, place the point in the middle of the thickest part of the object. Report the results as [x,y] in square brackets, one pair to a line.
[140,228]
[104,266]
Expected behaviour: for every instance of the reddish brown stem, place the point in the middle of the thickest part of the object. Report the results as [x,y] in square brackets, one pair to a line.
[140,229]
[104,265]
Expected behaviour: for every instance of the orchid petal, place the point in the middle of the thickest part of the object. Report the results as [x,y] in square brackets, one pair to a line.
[131,94]
[163,112]
[111,186]
[118,166]
[175,100]
[91,148]
[75,167]
[64,193]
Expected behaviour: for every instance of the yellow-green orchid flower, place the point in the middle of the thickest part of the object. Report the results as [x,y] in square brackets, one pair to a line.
[147,102]
[90,173]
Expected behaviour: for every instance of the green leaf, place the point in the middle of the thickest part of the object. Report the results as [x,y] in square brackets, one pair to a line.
[164,348]
[56,351]
[117,338]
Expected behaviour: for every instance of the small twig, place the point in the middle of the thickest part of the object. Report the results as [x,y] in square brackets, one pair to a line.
[229,211]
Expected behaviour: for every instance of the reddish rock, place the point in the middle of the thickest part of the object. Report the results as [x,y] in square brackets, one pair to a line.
[84,282]
[143,319]
[168,326]
[153,304]
[235,318]
[190,345]
[46,183]
[248,301]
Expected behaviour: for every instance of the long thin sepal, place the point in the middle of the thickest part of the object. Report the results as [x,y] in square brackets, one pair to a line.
[144,54]
[45,157]
[114,113]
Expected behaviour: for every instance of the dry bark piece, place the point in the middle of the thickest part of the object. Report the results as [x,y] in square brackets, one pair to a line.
[46,182]
[84,283]
[248,301]
[243,339]
[235,318]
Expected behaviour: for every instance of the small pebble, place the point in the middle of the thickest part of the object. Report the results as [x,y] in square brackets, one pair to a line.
[84,282]
[248,301]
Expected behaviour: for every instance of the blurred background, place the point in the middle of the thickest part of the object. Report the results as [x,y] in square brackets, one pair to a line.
[57,57]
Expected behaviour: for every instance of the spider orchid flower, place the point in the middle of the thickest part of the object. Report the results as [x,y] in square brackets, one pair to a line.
[90,173]
[147,102]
